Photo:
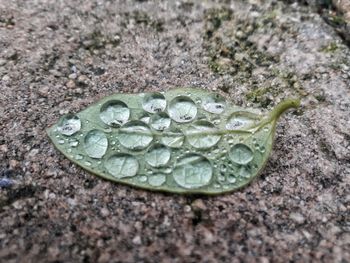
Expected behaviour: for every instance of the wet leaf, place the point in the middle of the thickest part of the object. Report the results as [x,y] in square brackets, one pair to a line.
[182,141]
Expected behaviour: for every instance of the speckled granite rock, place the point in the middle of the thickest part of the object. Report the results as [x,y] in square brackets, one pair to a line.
[60,56]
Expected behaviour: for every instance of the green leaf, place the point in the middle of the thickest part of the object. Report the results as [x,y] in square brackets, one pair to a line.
[182,140]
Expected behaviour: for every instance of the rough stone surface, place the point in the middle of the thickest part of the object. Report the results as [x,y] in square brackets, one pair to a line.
[60,56]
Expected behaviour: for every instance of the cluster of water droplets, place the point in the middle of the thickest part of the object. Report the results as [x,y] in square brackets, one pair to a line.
[183,141]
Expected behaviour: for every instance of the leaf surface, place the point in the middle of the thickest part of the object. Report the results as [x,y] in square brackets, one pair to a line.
[182,140]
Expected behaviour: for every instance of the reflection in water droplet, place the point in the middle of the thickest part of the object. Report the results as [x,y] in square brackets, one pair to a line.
[114,113]
[157,179]
[158,156]
[160,121]
[154,102]
[135,135]
[69,125]
[173,138]
[192,171]
[182,109]
[214,103]
[202,135]
[241,154]
[95,143]
[241,121]
[122,165]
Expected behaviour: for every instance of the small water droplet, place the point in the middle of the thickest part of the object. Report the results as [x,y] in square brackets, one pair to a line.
[114,113]
[241,121]
[87,163]
[182,109]
[73,143]
[231,179]
[241,154]
[78,157]
[60,141]
[154,102]
[262,149]
[69,125]
[244,171]
[214,104]
[143,178]
[157,179]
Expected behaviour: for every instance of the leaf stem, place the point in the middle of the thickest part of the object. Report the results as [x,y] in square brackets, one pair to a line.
[282,107]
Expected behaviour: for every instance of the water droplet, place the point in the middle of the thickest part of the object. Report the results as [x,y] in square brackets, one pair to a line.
[192,171]
[154,102]
[241,154]
[114,113]
[122,165]
[244,171]
[160,121]
[158,156]
[221,178]
[60,141]
[146,119]
[266,128]
[241,121]
[231,179]
[254,140]
[202,135]
[135,135]
[182,109]
[69,150]
[167,170]
[214,103]
[95,143]
[73,143]
[87,163]
[157,179]
[173,138]
[78,157]
[262,149]
[69,125]
[143,178]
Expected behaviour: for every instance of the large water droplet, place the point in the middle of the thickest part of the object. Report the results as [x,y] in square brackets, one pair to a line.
[214,103]
[182,109]
[135,135]
[158,156]
[202,135]
[241,154]
[95,143]
[69,125]
[193,171]
[114,113]
[157,179]
[122,165]
[173,138]
[160,121]
[154,102]
[241,121]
